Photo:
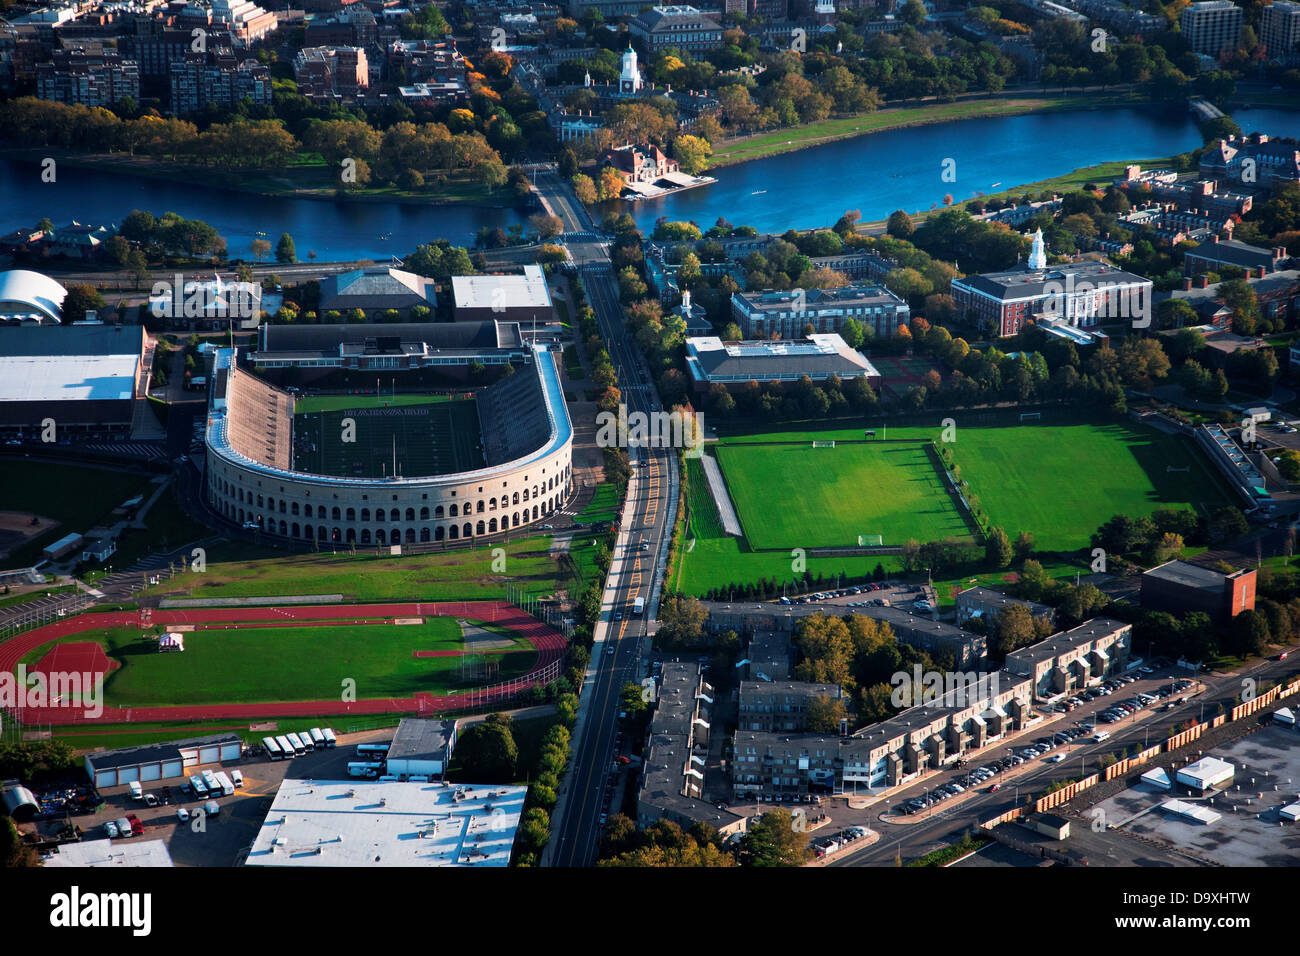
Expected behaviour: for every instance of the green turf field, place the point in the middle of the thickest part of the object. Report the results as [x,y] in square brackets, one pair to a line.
[309,404]
[419,434]
[260,664]
[797,496]
[1063,481]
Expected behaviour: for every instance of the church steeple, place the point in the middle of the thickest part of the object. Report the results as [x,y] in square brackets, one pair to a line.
[1037,253]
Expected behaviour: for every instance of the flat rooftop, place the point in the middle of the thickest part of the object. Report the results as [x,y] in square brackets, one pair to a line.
[527,291]
[1188,575]
[352,823]
[105,852]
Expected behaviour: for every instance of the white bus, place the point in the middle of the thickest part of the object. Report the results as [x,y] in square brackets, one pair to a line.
[328,734]
[307,744]
[372,751]
[200,790]
[317,738]
[210,781]
[272,748]
[225,783]
[286,748]
[296,743]
[364,769]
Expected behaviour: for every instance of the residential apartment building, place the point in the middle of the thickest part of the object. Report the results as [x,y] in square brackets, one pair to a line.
[1279,31]
[785,314]
[672,779]
[1253,162]
[331,72]
[1073,659]
[1211,27]
[1214,255]
[790,767]
[774,706]
[88,79]
[220,77]
[682,27]
[987,604]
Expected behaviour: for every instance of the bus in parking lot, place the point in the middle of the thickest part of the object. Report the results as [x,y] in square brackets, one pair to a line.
[272,748]
[328,734]
[372,751]
[299,748]
[286,747]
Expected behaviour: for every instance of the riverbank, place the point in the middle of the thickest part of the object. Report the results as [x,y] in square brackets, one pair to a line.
[763,145]
[302,181]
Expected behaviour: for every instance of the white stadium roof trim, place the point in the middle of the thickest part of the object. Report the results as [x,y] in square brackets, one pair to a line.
[33,290]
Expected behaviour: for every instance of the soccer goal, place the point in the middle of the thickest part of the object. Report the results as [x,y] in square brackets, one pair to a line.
[867,540]
[1031,416]
[823,444]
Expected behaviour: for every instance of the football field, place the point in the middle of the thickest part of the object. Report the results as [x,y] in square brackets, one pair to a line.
[352,436]
[797,496]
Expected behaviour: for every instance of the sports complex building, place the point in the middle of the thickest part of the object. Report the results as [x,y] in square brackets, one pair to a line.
[84,377]
[395,468]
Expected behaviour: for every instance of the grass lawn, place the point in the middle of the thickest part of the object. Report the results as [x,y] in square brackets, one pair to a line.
[418,436]
[797,496]
[604,505]
[462,575]
[257,664]
[78,497]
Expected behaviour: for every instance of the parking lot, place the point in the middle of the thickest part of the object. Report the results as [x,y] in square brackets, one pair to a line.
[919,597]
[215,840]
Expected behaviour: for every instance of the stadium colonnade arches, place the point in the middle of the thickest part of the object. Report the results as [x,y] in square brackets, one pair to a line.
[299,506]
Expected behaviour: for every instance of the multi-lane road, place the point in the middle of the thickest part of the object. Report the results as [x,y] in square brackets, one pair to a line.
[621,635]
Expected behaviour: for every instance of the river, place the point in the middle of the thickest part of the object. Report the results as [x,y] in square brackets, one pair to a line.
[875,174]
[334,230]
[903,168]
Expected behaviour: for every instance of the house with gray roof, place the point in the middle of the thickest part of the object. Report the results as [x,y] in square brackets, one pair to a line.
[377,289]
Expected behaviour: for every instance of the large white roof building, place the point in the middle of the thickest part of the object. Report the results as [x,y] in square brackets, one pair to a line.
[347,823]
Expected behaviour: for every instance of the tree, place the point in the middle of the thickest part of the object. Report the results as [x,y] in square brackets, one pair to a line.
[584,189]
[488,751]
[260,248]
[1013,627]
[693,153]
[284,249]
[1024,545]
[825,714]
[773,841]
[997,548]
[547,227]
[80,300]
[899,224]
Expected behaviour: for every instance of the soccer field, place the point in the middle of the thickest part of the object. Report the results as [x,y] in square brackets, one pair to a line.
[797,496]
[263,664]
[1062,482]
[419,434]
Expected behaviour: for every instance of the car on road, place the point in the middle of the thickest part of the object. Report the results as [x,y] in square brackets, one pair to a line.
[609,649]
[1056,758]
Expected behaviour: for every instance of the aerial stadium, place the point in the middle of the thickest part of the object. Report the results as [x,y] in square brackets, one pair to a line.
[373,446]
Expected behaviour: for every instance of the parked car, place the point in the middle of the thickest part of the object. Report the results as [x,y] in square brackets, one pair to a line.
[182,814]
[110,829]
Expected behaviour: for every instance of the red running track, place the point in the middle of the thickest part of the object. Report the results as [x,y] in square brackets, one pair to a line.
[549,643]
